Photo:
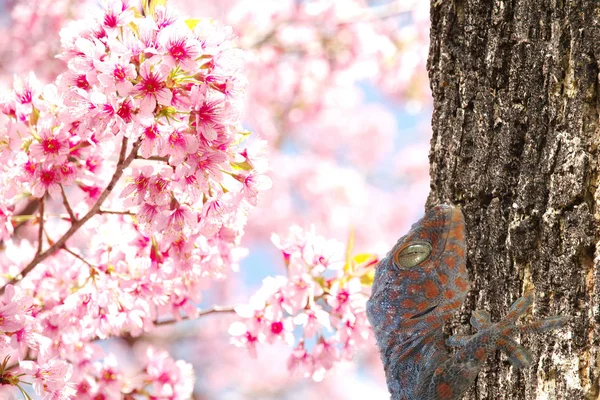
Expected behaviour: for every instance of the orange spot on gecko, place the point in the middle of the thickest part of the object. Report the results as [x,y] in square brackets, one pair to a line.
[431,290]
[408,303]
[480,353]
[449,294]
[414,288]
[411,275]
[450,262]
[444,390]
[461,284]
[443,279]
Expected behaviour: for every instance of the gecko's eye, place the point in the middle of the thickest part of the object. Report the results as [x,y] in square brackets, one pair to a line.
[412,255]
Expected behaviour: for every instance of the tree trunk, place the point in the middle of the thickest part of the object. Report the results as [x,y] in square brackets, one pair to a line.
[516,139]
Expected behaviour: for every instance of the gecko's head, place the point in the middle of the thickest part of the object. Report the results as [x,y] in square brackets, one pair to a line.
[423,272]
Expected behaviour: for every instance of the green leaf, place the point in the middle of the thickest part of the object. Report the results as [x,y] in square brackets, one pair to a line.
[192,22]
[241,165]
[365,258]
[349,267]
[368,278]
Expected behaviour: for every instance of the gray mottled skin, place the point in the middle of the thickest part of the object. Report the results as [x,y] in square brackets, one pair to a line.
[409,305]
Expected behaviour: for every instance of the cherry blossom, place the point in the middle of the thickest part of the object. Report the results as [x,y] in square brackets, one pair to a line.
[324,292]
[114,137]
[127,183]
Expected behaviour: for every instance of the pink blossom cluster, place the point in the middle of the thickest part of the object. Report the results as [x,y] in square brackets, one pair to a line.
[320,55]
[318,308]
[167,206]
[161,377]
[125,188]
[20,333]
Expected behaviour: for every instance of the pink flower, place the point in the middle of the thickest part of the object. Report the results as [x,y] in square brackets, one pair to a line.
[6,227]
[325,354]
[49,376]
[152,138]
[313,321]
[242,337]
[165,16]
[109,377]
[46,179]
[51,146]
[181,48]
[252,184]
[178,145]
[117,13]
[152,87]
[159,187]
[152,217]
[169,378]
[140,183]
[206,116]
[12,310]
[117,74]
[182,218]
[300,359]
[26,92]
[344,295]
[280,330]
[125,110]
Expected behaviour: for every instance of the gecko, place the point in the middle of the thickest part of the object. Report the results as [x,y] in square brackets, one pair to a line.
[418,286]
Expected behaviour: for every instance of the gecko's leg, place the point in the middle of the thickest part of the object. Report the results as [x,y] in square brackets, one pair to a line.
[518,308]
[453,377]
[518,355]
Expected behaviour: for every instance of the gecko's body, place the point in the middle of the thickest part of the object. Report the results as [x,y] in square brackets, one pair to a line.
[418,286]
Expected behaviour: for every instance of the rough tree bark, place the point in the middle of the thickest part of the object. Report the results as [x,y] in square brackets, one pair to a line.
[516,138]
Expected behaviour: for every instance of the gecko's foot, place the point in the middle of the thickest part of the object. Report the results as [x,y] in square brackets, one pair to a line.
[518,355]
[518,309]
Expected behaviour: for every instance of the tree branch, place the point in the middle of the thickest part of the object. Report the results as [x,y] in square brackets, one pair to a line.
[117,212]
[71,252]
[121,165]
[67,205]
[377,13]
[154,158]
[202,313]
[41,227]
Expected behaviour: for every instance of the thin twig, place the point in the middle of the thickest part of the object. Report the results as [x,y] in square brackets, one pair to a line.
[123,163]
[116,212]
[32,206]
[202,313]
[41,228]
[367,14]
[124,150]
[67,205]
[65,248]
[154,158]
[384,11]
